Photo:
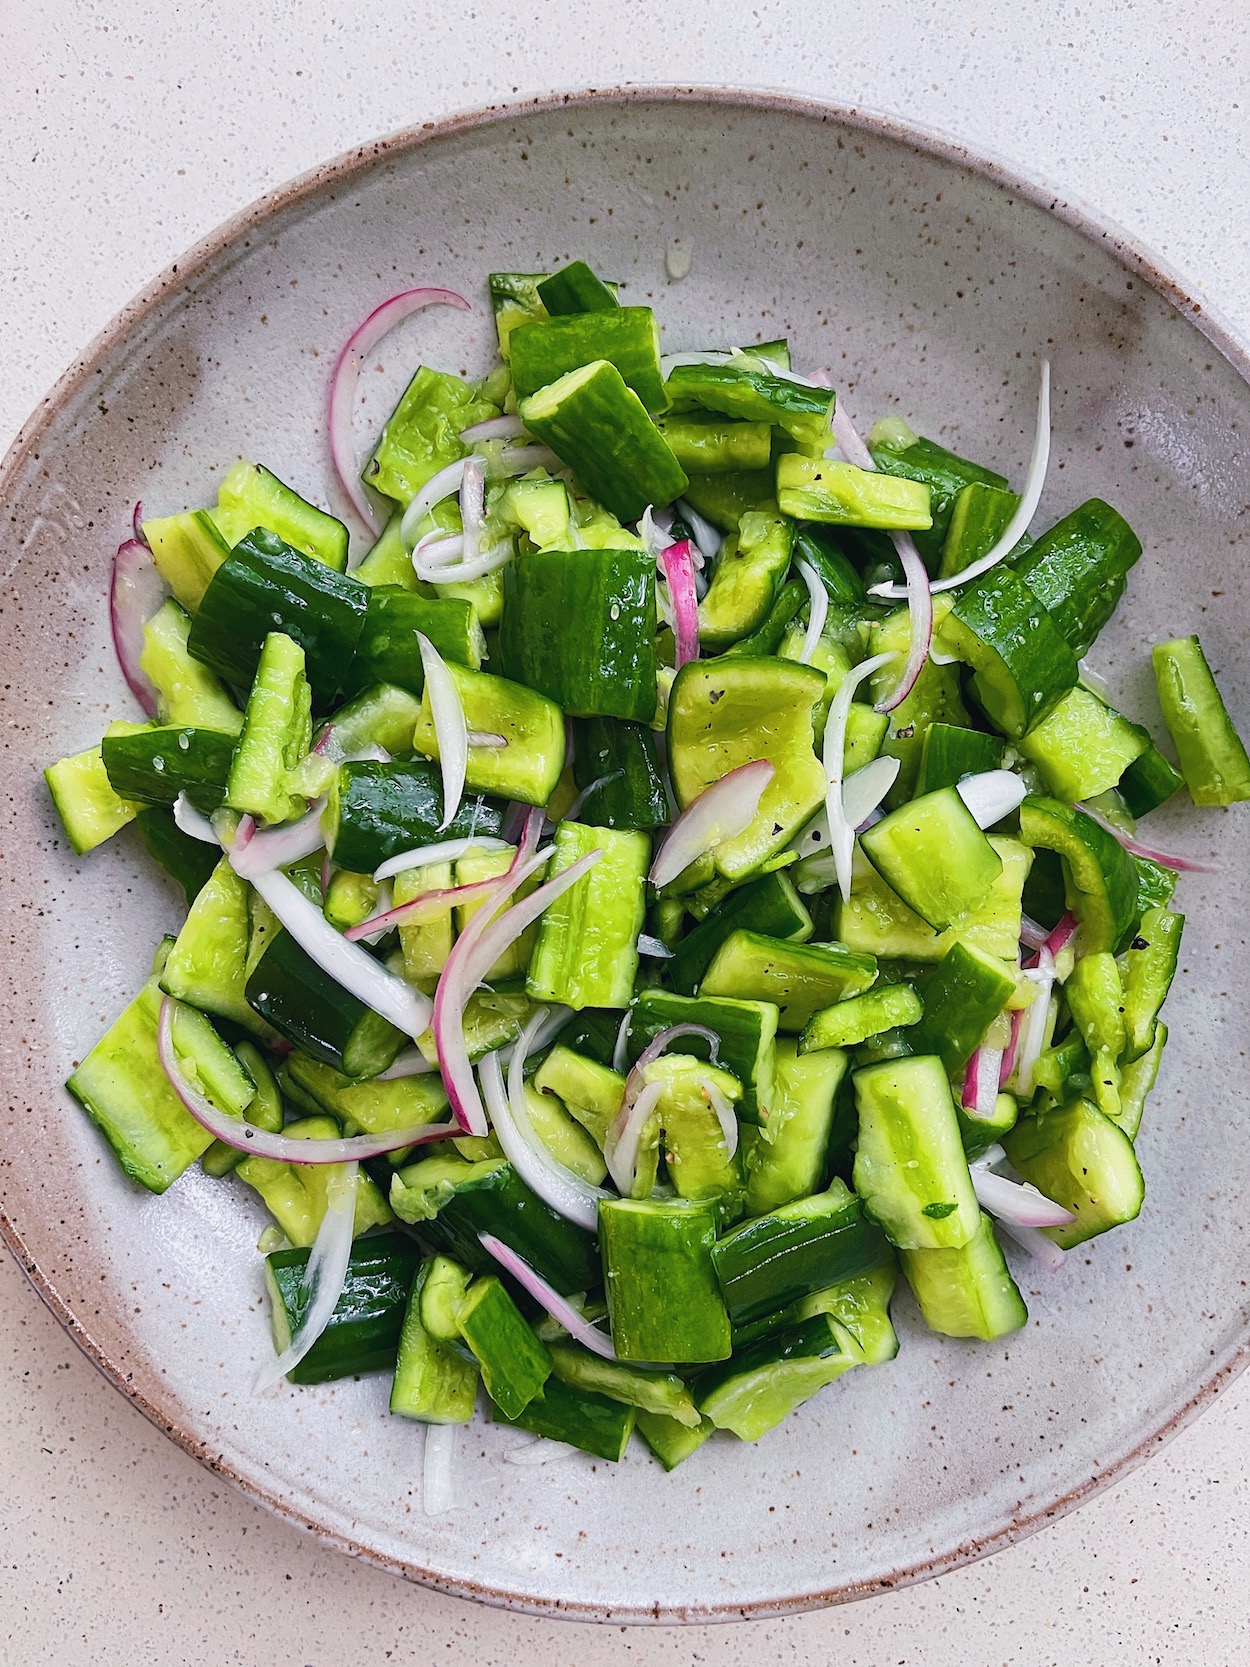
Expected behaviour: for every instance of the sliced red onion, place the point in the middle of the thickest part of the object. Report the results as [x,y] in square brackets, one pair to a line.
[1032,936]
[864,789]
[721,812]
[1095,682]
[654,947]
[678,565]
[446,850]
[1166,859]
[705,535]
[486,738]
[437,549]
[429,906]
[1018,1202]
[438,1469]
[725,1114]
[494,428]
[570,814]
[980,1090]
[261,1143]
[439,486]
[346,963]
[365,336]
[450,729]
[846,436]
[1063,934]
[410,1063]
[562,1311]
[1036,1018]
[1015,529]
[991,1155]
[841,828]
[620,1147]
[192,822]
[281,846]
[519,460]
[665,1039]
[136,592]
[1009,1053]
[136,523]
[324,1274]
[819,598]
[472,506]
[991,795]
[576,1200]
[463,572]
[620,1050]
[1034,1241]
[920,613]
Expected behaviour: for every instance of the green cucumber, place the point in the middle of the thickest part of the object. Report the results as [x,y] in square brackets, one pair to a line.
[600,428]
[766,1264]
[1137,1078]
[267,586]
[1078,569]
[842,495]
[950,752]
[156,764]
[444,1285]
[617,771]
[963,994]
[266,1110]
[966,1290]
[1149,968]
[586,954]
[1212,754]
[250,496]
[594,1423]
[724,499]
[747,1038]
[364,1331]
[378,811]
[855,1019]
[714,445]
[945,474]
[514,300]
[208,963]
[727,712]
[1082,746]
[387,650]
[422,433]
[187,692]
[277,733]
[628,338]
[188,861]
[745,387]
[297,1194]
[369,1104]
[514,1362]
[699,1164]
[798,977]
[1084,1161]
[187,550]
[1148,782]
[528,766]
[591,1092]
[575,288]
[432,1383]
[978,518]
[90,808]
[1100,876]
[910,1168]
[979,1132]
[748,574]
[383,716]
[605,667]
[769,905]
[290,991]
[662,1393]
[933,854]
[877,921]
[770,1379]
[664,1301]
[1021,664]
[788,1157]
[671,1441]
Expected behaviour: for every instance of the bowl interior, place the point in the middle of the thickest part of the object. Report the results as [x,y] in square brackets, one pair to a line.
[929,290]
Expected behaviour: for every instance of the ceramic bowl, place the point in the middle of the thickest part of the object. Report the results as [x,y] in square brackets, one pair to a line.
[930,282]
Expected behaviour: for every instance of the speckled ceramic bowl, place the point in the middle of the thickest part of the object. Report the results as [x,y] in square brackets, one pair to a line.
[930,281]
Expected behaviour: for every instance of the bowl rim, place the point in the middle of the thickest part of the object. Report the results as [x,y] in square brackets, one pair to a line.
[177,279]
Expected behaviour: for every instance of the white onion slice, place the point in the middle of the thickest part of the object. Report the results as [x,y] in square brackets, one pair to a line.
[438,1469]
[519,460]
[1018,1202]
[280,847]
[541,1451]
[725,1114]
[657,950]
[1036,1017]
[135,593]
[445,850]
[438,487]
[472,506]
[1015,529]
[451,732]
[705,535]
[620,1051]
[567,1194]
[463,572]
[560,1308]
[620,1147]
[721,812]
[819,598]
[192,822]
[324,1274]
[365,336]
[841,829]
[864,789]
[991,795]
[1036,1244]
[1032,936]
[410,1063]
[347,964]
[494,428]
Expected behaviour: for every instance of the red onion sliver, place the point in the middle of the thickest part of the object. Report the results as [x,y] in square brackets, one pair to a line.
[665,1039]
[472,505]
[1032,936]
[136,522]
[707,539]
[721,812]
[1036,1019]
[1009,1053]
[560,1308]
[1166,859]
[136,592]
[439,486]
[725,1114]
[1062,935]
[243,1137]
[429,906]
[494,428]
[324,1274]
[920,611]
[576,1200]
[620,1148]
[819,611]
[445,850]
[278,847]
[678,564]
[463,572]
[339,413]
[451,733]
[841,830]
[1017,1201]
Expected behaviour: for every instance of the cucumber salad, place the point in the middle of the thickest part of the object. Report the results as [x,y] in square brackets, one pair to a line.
[676,875]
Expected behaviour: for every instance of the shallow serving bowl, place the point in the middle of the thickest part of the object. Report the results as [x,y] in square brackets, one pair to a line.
[931,284]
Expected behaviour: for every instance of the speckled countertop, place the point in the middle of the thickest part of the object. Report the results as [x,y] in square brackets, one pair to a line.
[129,130]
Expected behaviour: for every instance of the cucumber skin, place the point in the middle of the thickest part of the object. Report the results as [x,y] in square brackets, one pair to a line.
[579,626]
[386,809]
[1212,754]
[620,756]
[364,1330]
[1078,570]
[663,1247]
[1022,663]
[766,1264]
[594,1423]
[625,337]
[769,905]
[387,650]
[154,766]
[966,1292]
[291,992]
